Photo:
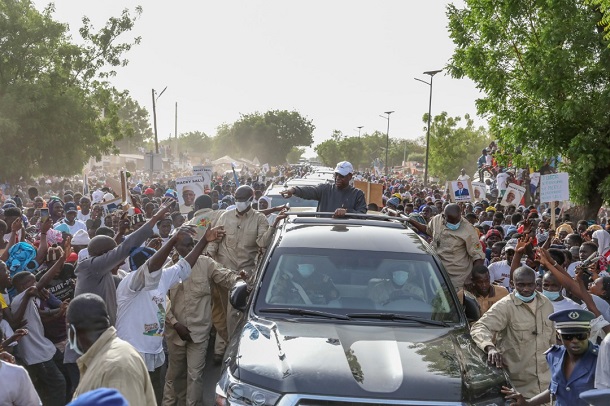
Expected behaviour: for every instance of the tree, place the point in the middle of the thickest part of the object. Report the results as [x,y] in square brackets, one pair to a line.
[56,107]
[453,148]
[269,136]
[545,71]
[295,155]
[603,7]
[135,119]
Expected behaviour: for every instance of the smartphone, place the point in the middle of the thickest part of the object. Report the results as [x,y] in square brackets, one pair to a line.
[44,215]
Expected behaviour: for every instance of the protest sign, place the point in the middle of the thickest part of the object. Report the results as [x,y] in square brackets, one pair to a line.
[513,195]
[460,191]
[206,173]
[111,205]
[480,191]
[554,187]
[189,188]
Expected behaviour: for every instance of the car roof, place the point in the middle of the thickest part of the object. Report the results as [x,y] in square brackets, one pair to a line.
[366,233]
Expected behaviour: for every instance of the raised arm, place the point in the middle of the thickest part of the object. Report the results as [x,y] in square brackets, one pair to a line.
[15,227]
[57,266]
[43,247]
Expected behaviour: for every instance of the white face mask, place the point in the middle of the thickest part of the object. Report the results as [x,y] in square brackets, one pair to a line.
[243,206]
[306,270]
[400,277]
[72,340]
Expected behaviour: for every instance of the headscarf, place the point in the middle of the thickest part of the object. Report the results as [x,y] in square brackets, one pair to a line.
[51,205]
[265,198]
[603,241]
[565,227]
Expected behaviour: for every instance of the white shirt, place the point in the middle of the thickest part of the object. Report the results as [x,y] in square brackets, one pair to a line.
[7,331]
[17,388]
[565,304]
[602,371]
[34,347]
[499,270]
[78,225]
[141,300]
[501,180]
[463,177]
[83,217]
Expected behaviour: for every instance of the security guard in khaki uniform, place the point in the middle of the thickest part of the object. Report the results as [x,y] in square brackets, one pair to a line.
[572,364]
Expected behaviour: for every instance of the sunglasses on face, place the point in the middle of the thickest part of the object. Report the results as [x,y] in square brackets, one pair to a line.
[578,336]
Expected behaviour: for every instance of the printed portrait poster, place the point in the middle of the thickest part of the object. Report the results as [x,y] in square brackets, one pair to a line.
[513,195]
[188,188]
[461,191]
[479,190]
[111,206]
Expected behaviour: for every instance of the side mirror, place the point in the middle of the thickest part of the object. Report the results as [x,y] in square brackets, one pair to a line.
[239,296]
[472,309]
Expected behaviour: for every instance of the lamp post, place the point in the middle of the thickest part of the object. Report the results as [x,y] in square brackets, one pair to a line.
[387,140]
[155,97]
[430,73]
[359,128]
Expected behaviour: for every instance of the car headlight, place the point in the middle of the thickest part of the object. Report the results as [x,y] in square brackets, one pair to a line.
[232,392]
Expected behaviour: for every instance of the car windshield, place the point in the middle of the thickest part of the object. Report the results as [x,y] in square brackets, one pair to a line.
[360,283]
[295,201]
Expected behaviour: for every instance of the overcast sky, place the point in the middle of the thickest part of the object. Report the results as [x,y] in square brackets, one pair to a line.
[341,63]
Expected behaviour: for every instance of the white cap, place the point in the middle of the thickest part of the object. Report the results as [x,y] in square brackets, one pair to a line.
[81,237]
[344,168]
[108,197]
[97,196]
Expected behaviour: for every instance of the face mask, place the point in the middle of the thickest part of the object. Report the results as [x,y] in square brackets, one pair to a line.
[243,206]
[400,277]
[526,299]
[305,270]
[453,227]
[552,296]
[72,341]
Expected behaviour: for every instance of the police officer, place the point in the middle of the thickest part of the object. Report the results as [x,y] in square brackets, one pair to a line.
[572,364]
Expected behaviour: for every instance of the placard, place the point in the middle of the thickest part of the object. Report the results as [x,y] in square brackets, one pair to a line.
[479,190]
[461,191]
[206,172]
[373,192]
[189,188]
[554,187]
[513,195]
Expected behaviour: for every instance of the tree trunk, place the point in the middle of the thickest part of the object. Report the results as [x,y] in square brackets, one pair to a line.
[595,197]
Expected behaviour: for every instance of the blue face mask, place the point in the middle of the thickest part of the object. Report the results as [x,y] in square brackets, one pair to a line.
[552,296]
[526,299]
[453,227]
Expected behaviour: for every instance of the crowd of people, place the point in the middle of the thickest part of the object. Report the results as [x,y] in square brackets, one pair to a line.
[94,299]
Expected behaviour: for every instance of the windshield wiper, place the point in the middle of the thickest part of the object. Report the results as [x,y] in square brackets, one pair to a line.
[304,312]
[395,316]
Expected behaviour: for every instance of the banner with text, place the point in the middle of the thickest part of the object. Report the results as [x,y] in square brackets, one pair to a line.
[554,187]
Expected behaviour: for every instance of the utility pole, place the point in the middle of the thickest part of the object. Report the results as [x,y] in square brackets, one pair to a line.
[176,132]
[155,125]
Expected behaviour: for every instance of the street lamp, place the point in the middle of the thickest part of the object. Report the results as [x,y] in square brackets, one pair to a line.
[430,73]
[359,128]
[155,97]
[387,140]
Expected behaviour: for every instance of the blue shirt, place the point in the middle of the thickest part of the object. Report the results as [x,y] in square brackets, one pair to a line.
[567,392]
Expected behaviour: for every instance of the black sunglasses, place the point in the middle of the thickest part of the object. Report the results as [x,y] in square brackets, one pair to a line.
[578,336]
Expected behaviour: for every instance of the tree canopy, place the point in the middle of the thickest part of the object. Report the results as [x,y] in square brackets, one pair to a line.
[57,108]
[453,148]
[362,151]
[269,136]
[544,68]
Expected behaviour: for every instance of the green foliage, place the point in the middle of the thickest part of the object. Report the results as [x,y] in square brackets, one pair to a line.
[603,8]
[417,157]
[294,155]
[545,71]
[56,107]
[362,151]
[136,122]
[453,148]
[269,136]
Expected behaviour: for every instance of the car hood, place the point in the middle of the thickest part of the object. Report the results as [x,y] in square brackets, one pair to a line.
[369,360]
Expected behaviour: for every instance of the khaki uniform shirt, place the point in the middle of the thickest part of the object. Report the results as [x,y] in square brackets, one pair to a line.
[204,218]
[191,300]
[522,337]
[114,363]
[245,235]
[496,293]
[457,249]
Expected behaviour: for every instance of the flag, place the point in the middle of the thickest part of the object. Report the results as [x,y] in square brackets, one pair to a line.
[85,184]
[233,165]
